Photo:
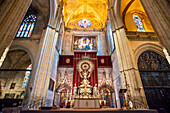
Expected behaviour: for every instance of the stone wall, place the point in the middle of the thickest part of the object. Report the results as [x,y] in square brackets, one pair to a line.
[101,41]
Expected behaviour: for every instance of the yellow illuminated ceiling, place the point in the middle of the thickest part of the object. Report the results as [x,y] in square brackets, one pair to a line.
[128,9]
[93,10]
[136,5]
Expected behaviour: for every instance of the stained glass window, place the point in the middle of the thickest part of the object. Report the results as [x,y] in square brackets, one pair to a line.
[84,23]
[139,24]
[27,75]
[27,26]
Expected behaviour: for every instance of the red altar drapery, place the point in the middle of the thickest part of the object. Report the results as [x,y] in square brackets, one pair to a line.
[93,79]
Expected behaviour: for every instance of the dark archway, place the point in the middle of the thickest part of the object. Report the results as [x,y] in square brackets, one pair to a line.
[14,75]
[155,71]
[106,96]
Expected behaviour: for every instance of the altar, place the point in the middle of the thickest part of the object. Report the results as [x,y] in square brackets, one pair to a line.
[85,90]
[86,103]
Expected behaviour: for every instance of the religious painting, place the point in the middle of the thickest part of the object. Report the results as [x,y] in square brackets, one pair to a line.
[84,43]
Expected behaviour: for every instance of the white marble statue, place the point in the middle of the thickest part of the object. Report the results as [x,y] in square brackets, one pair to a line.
[75,89]
[130,105]
[95,90]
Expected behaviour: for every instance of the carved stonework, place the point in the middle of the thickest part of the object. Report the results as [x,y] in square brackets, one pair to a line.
[151,61]
[141,36]
[85,67]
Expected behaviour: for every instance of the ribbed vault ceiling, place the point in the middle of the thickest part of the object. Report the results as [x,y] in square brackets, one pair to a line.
[93,10]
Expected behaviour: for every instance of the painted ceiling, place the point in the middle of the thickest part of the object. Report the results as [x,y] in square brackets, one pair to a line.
[93,10]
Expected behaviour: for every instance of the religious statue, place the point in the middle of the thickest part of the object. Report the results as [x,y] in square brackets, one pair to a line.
[85,68]
[75,90]
[130,105]
[95,91]
[85,87]
[85,82]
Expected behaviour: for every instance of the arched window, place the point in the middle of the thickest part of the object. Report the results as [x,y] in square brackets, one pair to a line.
[138,22]
[27,75]
[27,26]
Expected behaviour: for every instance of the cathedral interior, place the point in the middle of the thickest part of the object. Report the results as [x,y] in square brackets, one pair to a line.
[55,51]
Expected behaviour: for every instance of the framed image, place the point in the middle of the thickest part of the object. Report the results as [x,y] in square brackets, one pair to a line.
[12,85]
[12,95]
[51,84]
[6,96]
[9,96]
[82,43]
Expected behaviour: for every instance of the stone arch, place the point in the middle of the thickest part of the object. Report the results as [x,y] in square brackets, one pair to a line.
[62,87]
[16,65]
[117,8]
[128,9]
[21,47]
[144,47]
[107,86]
[106,93]
[130,24]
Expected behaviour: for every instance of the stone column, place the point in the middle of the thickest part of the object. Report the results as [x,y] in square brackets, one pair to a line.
[125,59]
[158,12]
[11,15]
[47,61]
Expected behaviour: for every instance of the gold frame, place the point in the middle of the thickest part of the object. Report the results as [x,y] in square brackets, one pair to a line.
[84,50]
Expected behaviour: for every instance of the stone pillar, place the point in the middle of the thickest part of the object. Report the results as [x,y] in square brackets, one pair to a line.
[11,15]
[166,55]
[158,12]
[116,79]
[47,62]
[125,59]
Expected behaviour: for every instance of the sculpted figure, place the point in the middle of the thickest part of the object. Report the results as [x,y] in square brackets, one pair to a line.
[75,89]
[95,90]
[130,105]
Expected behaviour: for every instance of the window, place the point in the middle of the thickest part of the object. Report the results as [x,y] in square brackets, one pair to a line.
[138,22]
[27,27]
[27,75]
[84,23]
